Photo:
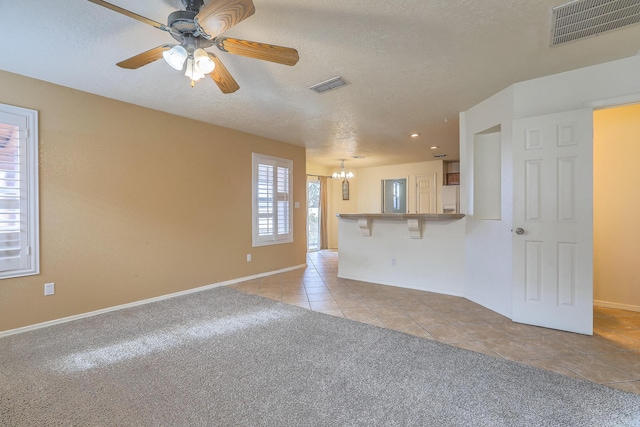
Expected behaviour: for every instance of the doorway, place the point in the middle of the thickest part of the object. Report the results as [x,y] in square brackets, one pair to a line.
[314,214]
[615,206]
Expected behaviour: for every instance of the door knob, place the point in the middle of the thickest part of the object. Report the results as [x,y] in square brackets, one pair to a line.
[519,231]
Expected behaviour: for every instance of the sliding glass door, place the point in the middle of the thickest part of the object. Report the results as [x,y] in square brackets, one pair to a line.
[313,213]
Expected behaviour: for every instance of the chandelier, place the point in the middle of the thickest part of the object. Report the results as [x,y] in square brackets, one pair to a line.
[345,175]
[342,173]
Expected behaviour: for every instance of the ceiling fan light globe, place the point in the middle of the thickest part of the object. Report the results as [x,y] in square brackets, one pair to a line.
[206,66]
[203,62]
[192,70]
[175,57]
[198,73]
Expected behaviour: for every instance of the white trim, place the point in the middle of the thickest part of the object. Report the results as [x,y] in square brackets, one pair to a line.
[29,180]
[144,301]
[616,305]
[275,238]
[617,101]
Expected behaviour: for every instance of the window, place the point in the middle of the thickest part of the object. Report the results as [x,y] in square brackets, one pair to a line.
[272,207]
[394,195]
[19,251]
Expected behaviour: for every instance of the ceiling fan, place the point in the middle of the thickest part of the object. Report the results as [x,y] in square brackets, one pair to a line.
[197,28]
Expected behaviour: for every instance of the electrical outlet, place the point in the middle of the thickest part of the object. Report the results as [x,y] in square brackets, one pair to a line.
[393,261]
[248,257]
[49,288]
[296,205]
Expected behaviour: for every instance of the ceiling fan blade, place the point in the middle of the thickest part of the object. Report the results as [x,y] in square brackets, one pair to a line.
[266,52]
[220,15]
[222,77]
[144,58]
[131,14]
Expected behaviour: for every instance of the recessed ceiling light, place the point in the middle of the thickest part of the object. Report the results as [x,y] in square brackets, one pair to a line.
[433,147]
[415,135]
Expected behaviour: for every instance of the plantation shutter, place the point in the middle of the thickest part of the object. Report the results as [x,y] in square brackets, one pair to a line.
[14,201]
[283,200]
[272,210]
[266,208]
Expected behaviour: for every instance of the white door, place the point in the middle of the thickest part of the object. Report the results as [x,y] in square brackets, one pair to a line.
[426,193]
[553,221]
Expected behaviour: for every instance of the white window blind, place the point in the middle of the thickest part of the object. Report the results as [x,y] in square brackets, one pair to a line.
[18,192]
[272,207]
[282,178]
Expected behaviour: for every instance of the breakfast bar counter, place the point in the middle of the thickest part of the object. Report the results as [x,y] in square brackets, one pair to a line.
[417,251]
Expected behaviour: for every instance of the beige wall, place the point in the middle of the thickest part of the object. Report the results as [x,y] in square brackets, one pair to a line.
[313,169]
[135,204]
[369,184]
[616,206]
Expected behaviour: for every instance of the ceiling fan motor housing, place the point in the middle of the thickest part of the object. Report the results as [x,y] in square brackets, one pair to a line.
[183,26]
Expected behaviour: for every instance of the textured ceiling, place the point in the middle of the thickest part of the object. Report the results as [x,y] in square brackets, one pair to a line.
[412,65]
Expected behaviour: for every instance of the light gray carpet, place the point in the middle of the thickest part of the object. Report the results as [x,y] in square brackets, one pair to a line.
[223,358]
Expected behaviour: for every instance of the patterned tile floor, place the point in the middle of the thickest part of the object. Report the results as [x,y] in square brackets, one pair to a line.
[611,356]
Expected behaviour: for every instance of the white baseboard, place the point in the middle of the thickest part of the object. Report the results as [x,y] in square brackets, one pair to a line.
[144,301]
[616,305]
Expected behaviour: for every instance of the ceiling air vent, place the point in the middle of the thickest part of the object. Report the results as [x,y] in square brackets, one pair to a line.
[439,156]
[327,85]
[585,18]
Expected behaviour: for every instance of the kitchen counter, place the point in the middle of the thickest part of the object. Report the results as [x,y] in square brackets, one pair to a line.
[414,221]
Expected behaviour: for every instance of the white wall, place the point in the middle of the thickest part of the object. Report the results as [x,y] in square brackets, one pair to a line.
[615,83]
[487,175]
[487,245]
[433,263]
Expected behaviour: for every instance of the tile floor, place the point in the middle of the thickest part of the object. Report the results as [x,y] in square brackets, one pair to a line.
[611,356]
